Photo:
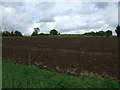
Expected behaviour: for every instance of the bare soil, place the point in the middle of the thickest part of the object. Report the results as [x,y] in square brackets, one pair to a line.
[72,55]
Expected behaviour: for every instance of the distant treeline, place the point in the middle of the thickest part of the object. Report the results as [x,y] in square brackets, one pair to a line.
[15,33]
[37,30]
[55,32]
[100,33]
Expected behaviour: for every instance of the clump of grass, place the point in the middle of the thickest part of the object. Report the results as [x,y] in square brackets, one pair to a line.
[20,76]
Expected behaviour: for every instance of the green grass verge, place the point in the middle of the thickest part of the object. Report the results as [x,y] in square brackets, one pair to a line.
[21,76]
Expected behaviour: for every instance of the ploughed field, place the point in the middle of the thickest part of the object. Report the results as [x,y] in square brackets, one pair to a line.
[79,56]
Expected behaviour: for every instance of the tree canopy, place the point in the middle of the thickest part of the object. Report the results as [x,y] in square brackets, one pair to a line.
[54,32]
[7,33]
[17,33]
[108,33]
[100,33]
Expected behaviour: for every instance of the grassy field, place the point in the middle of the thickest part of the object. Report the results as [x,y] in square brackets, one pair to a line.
[20,76]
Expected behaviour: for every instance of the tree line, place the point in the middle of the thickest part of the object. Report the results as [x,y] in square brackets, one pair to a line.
[35,33]
[15,33]
[37,30]
[100,33]
[55,32]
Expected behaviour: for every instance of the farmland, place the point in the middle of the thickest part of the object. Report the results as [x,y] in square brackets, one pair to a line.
[79,56]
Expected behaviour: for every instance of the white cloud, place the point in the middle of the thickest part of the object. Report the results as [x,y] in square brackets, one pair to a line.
[13,19]
[46,27]
[66,17]
[98,19]
[31,28]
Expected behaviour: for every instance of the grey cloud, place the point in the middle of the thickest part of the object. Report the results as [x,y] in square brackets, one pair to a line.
[45,6]
[87,9]
[18,6]
[12,4]
[102,5]
[47,18]
[68,11]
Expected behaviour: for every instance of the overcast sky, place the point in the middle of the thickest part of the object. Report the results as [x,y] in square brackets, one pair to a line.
[66,17]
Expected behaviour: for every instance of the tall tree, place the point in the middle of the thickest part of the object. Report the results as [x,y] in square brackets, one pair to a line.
[35,32]
[117,30]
